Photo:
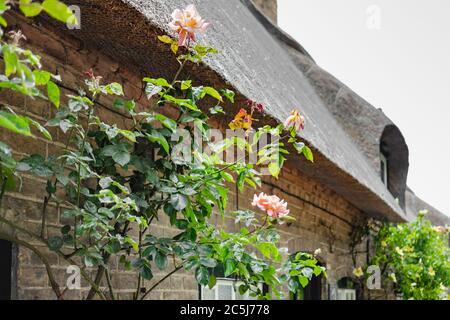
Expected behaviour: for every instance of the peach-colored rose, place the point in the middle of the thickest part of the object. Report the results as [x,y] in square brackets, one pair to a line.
[274,206]
[186,23]
[295,120]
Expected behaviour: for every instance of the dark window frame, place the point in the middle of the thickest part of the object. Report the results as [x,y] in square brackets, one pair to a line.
[7,270]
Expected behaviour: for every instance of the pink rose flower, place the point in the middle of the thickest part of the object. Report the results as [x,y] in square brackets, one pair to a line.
[274,206]
[186,23]
[295,120]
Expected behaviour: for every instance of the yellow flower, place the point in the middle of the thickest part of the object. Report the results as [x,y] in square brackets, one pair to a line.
[431,271]
[399,251]
[408,249]
[393,277]
[358,272]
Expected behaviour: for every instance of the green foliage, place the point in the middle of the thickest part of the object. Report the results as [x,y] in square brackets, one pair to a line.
[416,258]
[113,180]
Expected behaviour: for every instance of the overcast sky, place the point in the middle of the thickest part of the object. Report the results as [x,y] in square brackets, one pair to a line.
[396,55]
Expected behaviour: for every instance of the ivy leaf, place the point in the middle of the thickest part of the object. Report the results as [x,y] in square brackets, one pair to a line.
[230,266]
[54,94]
[29,8]
[160,82]
[299,147]
[118,152]
[178,201]
[161,260]
[303,281]
[6,158]
[166,39]
[156,136]
[115,89]
[202,276]
[15,123]
[151,90]
[269,250]
[41,129]
[65,229]
[55,243]
[208,262]
[212,92]
[122,158]
[146,272]
[186,84]
[228,94]
[41,77]
[293,285]
[3,22]
[11,60]
[274,169]
[58,10]
[121,104]
[216,109]
[243,289]
[212,281]
[166,122]
[105,182]
[308,153]
[174,47]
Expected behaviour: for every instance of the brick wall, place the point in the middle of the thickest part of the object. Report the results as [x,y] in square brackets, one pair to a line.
[323,218]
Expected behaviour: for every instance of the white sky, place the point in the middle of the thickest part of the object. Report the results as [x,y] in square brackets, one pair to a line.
[403,67]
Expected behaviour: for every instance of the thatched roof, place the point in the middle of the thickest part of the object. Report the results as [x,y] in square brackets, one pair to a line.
[255,60]
[414,205]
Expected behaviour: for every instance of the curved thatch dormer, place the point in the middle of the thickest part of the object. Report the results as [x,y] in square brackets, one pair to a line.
[394,170]
[375,135]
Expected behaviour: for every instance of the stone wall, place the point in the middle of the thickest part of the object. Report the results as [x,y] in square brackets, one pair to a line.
[324,219]
[269,8]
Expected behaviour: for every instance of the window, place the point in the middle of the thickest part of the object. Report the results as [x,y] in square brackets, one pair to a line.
[346,294]
[5,270]
[348,289]
[384,168]
[313,291]
[225,289]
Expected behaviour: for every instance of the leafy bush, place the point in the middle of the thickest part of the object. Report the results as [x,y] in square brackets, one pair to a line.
[415,257]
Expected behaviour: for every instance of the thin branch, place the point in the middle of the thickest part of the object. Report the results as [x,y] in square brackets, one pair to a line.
[54,284]
[44,215]
[110,287]
[162,280]
[59,252]
[136,295]
[3,189]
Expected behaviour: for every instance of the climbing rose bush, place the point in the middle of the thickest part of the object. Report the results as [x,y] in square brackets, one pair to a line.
[115,183]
